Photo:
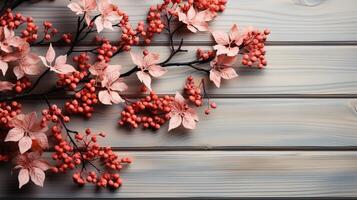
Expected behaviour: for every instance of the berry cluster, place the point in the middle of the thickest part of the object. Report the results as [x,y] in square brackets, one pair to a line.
[150,112]
[82,61]
[254,43]
[22,84]
[54,115]
[84,100]
[71,80]
[49,31]
[67,38]
[106,50]
[193,93]
[205,54]
[92,151]
[213,5]
[8,111]
[129,35]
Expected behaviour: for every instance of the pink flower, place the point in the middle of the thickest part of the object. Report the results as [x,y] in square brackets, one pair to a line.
[196,20]
[109,15]
[182,114]
[84,7]
[26,129]
[27,65]
[228,43]
[99,69]
[60,65]
[6,85]
[8,40]
[113,84]
[222,68]
[148,66]
[31,166]
[4,60]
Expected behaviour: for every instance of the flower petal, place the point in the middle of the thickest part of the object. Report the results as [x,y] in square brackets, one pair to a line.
[119,86]
[25,144]
[23,177]
[191,13]
[151,59]
[99,24]
[175,122]
[37,176]
[64,69]
[115,97]
[41,138]
[15,134]
[179,98]
[41,164]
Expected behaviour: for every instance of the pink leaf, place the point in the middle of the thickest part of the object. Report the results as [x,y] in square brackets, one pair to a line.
[175,122]
[191,13]
[50,55]
[137,59]
[3,67]
[157,70]
[220,37]
[188,121]
[179,98]
[115,97]
[25,144]
[144,78]
[119,86]
[99,24]
[41,138]
[64,69]
[19,73]
[6,85]
[37,176]
[228,73]
[75,8]
[151,59]
[15,134]
[41,164]
[23,177]
[215,77]
[60,60]
[104,97]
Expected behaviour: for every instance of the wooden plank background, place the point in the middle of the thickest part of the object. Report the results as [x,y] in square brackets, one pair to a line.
[286,131]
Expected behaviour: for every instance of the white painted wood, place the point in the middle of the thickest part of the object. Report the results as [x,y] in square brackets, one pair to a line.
[291,70]
[332,20]
[213,174]
[239,123]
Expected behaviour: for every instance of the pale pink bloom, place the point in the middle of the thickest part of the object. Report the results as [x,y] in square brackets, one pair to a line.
[84,7]
[25,129]
[109,15]
[196,20]
[99,69]
[8,40]
[60,65]
[27,65]
[6,85]
[222,68]
[31,166]
[228,43]
[113,84]
[4,60]
[148,66]
[182,114]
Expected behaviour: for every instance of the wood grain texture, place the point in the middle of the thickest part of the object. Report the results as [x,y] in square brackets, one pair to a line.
[240,123]
[213,174]
[292,70]
[332,20]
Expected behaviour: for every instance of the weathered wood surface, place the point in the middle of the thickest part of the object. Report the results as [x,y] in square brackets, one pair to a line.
[292,70]
[312,58]
[331,20]
[241,123]
[214,174]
